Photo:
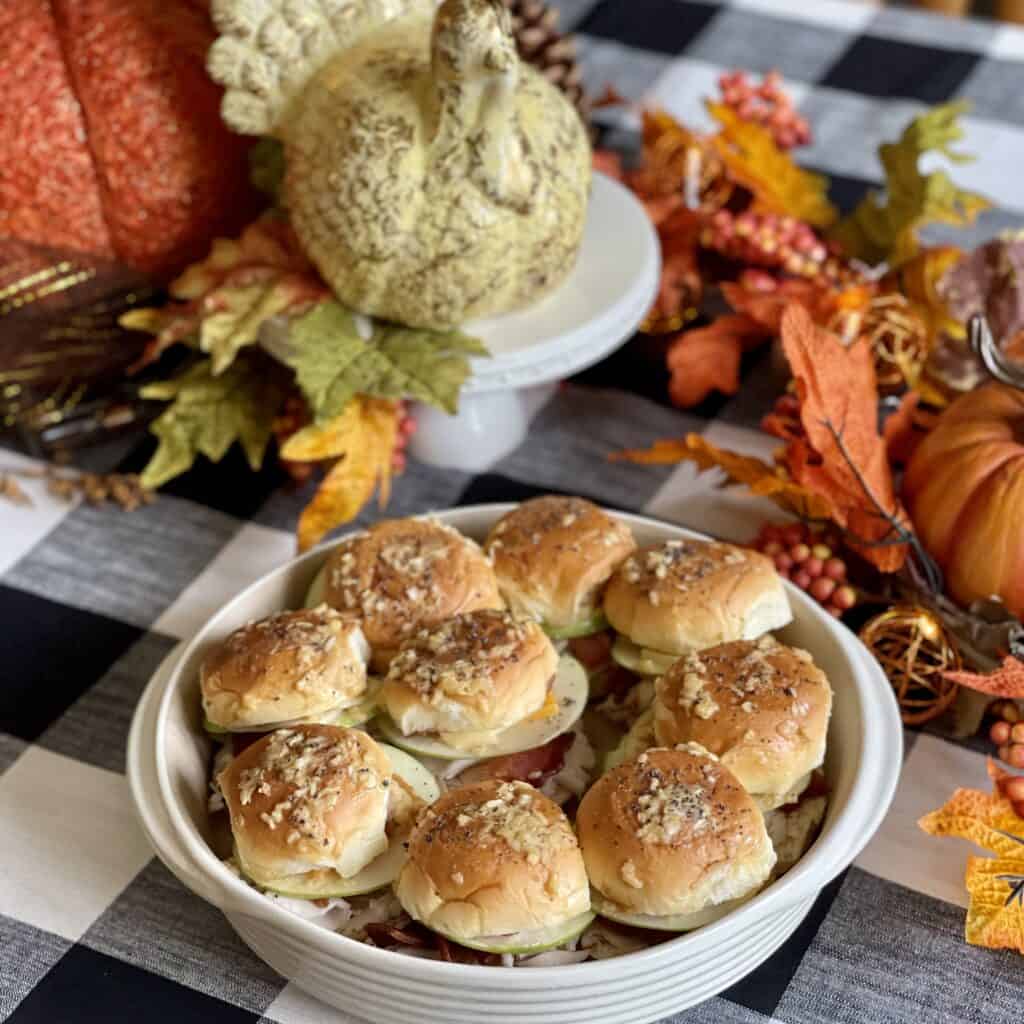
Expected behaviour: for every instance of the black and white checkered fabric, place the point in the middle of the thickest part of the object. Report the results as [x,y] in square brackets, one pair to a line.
[93,928]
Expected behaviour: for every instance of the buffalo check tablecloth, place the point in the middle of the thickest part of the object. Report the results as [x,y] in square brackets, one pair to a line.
[93,928]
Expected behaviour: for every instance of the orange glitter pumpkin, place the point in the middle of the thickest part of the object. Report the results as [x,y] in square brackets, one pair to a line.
[111,133]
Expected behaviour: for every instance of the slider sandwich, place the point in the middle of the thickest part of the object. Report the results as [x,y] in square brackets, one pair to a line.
[319,811]
[401,575]
[294,667]
[668,599]
[552,557]
[479,685]
[760,706]
[672,841]
[496,866]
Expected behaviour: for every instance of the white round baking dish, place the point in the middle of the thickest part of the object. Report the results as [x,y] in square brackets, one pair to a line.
[167,767]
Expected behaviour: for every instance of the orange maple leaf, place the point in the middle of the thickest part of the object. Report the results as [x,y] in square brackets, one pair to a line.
[766,305]
[843,458]
[681,287]
[761,478]
[1006,681]
[707,359]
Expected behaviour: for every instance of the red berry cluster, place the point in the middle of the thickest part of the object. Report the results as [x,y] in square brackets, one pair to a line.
[406,428]
[808,559]
[768,240]
[766,104]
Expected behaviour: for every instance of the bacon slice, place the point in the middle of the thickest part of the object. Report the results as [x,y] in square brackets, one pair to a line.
[593,651]
[533,766]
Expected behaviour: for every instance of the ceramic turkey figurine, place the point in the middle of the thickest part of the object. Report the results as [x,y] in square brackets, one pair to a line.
[431,176]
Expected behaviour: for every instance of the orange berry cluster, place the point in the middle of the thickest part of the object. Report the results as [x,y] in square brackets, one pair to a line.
[808,558]
[768,240]
[766,104]
[1008,735]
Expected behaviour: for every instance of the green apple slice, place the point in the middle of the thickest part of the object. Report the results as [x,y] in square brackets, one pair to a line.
[643,660]
[325,883]
[317,589]
[666,922]
[415,775]
[570,692]
[594,623]
[535,940]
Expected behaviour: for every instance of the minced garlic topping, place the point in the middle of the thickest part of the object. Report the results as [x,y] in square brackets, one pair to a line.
[306,638]
[401,581]
[536,520]
[692,694]
[677,565]
[317,771]
[459,656]
[669,807]
[629,875]
[513,817]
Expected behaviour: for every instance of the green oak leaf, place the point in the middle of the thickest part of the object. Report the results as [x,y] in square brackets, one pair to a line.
[208,413]
[333,362]
[884,225]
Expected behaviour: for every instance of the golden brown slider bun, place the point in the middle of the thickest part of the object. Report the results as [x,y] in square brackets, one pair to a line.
[478,672]
[761,706]
[683,595]
[294,665]
[402,574]
[672,833]
[308,797]
[493,858]
[552,556]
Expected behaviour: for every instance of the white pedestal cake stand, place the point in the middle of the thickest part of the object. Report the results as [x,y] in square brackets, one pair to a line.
[599,306]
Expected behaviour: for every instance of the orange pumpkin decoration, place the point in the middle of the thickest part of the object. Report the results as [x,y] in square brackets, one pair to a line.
[111,134]
[964,489]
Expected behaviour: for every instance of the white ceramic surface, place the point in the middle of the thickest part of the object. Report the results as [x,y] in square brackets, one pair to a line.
[167,765]
[599,305]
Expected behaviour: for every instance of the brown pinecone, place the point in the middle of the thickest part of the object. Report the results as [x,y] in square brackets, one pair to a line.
[553,53]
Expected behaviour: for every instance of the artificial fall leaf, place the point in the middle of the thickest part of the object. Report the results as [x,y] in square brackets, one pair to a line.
[208,413]
[844,458]
[333,362]
[223,301]
[919,279]
[363,438]
[681,287]
[765,304]
[1007,681]
[755,161]
[901,431]
[885,228]
[707,359]
[995,914]
[762,479]
[608,162]
[666,145]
